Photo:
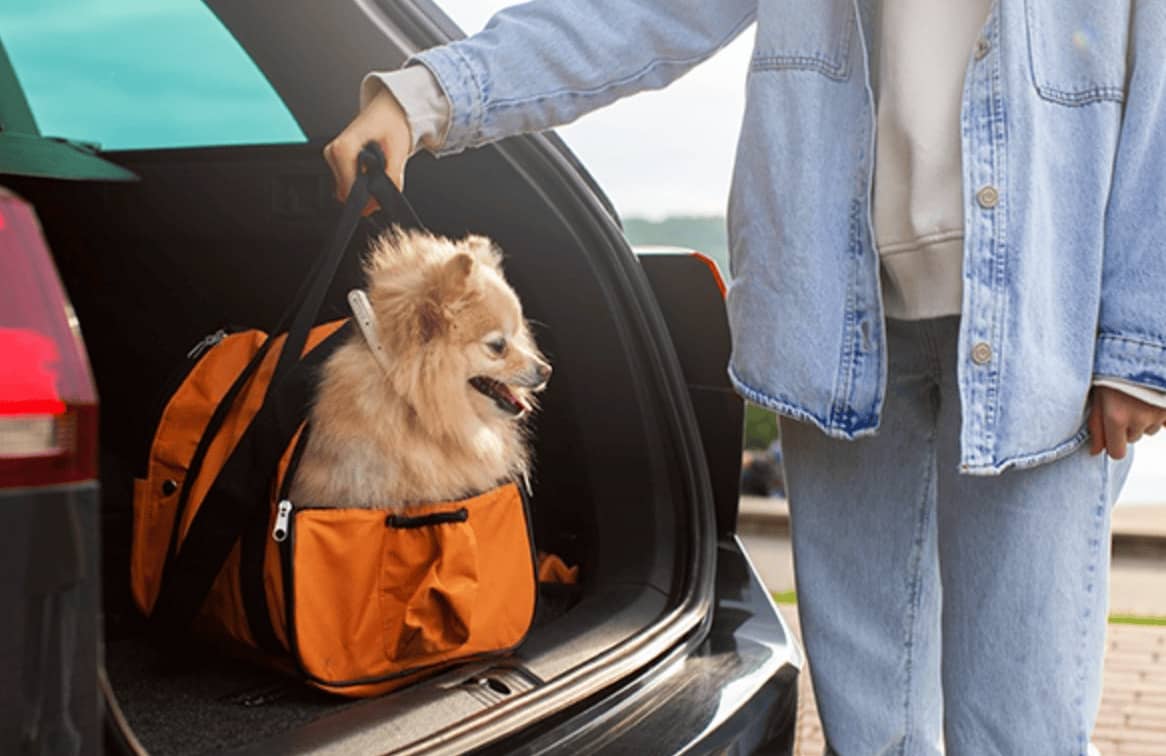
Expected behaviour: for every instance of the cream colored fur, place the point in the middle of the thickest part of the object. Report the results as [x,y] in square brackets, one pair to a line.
[420,432]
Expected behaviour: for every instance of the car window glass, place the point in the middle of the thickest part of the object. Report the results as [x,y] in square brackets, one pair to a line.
[140,74]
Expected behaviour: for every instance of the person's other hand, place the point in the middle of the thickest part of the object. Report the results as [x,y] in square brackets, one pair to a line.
[1117,419]
[381,121]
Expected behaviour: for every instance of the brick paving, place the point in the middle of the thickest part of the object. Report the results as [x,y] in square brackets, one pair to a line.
[1132,721]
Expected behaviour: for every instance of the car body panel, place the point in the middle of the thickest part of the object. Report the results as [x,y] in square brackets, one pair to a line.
[50,637]
[735,693]
[689,290]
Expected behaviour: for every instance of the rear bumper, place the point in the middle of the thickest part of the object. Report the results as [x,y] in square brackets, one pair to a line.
[49,638]
[735,692]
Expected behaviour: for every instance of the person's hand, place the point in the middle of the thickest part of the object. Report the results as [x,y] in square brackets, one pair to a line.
[382,121]
[1117,419]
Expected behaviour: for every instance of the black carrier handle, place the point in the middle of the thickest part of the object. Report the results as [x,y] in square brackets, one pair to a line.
[244,482]
[372,181]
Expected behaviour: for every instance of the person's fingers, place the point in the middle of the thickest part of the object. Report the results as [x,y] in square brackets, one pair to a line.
[1096,428]
[394,169]
[329,151]
[383,121]
[1115,423]
[341,156]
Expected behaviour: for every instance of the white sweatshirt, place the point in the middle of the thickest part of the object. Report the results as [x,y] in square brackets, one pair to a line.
[923,55]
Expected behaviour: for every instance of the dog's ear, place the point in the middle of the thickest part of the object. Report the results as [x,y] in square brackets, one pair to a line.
[453,277]
[449,282]
[484,250]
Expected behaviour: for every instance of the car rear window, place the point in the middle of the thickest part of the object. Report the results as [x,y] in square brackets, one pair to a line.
[140,74]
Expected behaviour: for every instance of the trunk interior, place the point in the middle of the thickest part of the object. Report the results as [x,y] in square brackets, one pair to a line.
[215,237]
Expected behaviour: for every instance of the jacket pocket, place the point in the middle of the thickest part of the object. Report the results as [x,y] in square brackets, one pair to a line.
[1077,50]
[804,35]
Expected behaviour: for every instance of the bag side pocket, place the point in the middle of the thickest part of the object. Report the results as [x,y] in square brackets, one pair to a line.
[155,501]
[429,582]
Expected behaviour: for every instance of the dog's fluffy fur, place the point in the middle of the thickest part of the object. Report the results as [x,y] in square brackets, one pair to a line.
[445,419]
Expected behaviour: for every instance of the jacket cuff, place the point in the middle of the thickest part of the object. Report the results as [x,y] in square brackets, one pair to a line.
[1132,358]
[464,89]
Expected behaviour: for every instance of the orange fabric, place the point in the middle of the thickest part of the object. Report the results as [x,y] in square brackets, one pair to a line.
[179,430]
[223,615]
[372,600]
[552,569]
[247,404]
[375,606]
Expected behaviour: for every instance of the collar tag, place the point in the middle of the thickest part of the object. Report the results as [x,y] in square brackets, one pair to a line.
[366,321]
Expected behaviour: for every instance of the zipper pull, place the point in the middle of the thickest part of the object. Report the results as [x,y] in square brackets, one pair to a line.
[206,343]
[282,518]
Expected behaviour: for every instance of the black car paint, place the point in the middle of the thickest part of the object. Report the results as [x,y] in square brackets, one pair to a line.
[50,639]
[736,692]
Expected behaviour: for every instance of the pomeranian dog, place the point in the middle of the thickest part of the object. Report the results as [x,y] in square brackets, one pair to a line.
[428,403]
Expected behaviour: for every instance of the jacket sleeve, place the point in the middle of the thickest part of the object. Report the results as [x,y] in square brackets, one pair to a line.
[545,63]
[1131,342]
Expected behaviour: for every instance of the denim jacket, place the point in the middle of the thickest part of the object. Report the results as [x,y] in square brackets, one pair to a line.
[1063,127]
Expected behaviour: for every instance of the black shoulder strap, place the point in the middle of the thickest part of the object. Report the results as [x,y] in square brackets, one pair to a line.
[244,482]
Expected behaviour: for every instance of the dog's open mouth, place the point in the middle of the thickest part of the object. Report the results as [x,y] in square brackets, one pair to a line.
[502,396]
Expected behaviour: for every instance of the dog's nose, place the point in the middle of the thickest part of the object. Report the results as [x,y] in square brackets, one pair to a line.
[544,372]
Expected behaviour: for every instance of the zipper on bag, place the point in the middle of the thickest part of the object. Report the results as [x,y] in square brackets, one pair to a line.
[282,521]
[284,535]
[176,378]
[207,342]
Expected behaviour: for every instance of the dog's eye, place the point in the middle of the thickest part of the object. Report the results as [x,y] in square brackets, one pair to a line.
[497,346]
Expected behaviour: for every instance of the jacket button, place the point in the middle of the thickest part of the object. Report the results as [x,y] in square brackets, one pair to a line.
[982,48]
[988,197]
[982,353]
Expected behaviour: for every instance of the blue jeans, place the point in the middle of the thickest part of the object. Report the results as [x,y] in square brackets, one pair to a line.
[941,609]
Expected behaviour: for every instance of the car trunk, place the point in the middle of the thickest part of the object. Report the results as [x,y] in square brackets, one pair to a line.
[222,236]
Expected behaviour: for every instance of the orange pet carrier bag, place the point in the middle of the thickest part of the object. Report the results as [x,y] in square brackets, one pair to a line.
[359,601]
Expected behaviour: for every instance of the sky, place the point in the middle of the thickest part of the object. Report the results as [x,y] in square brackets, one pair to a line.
[668,152]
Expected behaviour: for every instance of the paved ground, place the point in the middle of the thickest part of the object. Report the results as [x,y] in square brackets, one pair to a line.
[1132,721]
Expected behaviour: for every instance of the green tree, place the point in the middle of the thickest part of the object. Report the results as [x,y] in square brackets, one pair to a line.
[760,426]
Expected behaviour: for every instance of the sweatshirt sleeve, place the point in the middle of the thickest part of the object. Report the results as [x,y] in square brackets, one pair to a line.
[1131,342]
[1149,396]
[545,63]
[420,96]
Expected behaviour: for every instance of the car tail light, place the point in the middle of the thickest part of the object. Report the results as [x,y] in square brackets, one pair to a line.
[48,405]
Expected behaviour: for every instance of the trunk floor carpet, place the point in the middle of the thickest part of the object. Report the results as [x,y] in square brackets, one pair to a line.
[193,699]
[206,702]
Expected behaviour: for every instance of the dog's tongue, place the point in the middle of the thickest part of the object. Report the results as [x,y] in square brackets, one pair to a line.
[501,394]
[523,407]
